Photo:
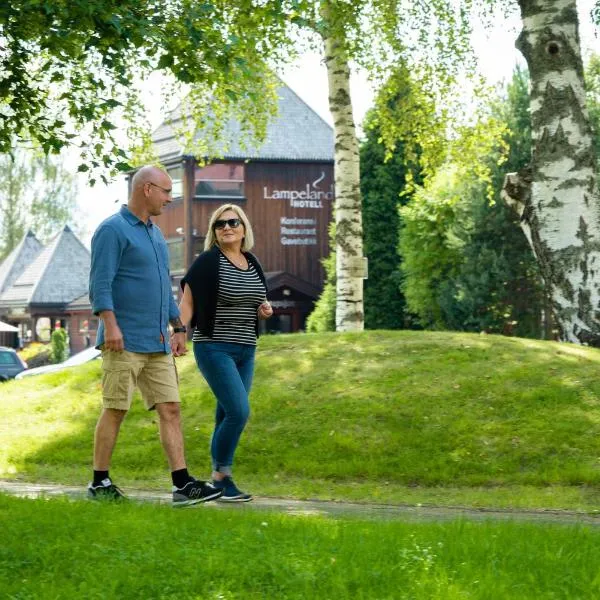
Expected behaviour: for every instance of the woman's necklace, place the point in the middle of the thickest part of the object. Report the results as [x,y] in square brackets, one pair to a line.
[239,262]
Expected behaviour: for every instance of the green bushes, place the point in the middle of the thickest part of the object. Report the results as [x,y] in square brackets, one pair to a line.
[59,349]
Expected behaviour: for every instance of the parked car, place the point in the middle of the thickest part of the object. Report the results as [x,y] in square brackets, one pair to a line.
[77,359]
[11,364]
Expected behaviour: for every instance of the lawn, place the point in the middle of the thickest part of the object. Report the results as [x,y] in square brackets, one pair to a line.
[55,549]
[379,416]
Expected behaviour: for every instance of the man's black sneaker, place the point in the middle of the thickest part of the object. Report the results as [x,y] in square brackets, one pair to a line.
[194,492]
[106,490]
[230,491]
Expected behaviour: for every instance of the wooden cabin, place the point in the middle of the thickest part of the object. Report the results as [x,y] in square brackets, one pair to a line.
[285,186]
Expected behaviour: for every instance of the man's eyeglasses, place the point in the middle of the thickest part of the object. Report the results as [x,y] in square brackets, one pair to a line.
[233,223]
[165,190]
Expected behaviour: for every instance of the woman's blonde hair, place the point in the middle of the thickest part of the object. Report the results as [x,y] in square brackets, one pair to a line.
[211,238]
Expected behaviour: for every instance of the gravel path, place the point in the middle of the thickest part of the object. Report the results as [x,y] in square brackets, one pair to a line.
[330,509]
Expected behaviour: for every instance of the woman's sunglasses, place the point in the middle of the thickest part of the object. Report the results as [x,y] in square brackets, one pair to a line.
[233,223]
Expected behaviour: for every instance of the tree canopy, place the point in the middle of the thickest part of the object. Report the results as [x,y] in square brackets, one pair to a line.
[68,69]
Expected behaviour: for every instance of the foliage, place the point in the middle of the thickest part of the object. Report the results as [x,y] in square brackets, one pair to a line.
[59,350]
[68,71]
[381,416]
[322,318]
[383,187]
[468,265]
[36,354]
[37,193]
[592,80]
[46,553]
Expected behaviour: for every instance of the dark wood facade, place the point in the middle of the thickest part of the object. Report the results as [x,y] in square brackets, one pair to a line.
[290,206]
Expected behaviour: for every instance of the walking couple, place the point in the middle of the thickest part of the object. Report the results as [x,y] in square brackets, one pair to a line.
[142,330]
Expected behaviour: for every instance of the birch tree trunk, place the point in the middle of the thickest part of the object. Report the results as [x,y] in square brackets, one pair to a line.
[556,195]
[349,314]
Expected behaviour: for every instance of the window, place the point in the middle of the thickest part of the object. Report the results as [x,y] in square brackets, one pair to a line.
[219,181]
[176,247]
[176,175]
[8,358]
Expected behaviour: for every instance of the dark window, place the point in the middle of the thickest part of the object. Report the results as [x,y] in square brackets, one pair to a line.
[219,181]
[281,323]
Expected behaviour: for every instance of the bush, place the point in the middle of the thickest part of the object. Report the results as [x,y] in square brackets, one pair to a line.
[36,354]
[58,346]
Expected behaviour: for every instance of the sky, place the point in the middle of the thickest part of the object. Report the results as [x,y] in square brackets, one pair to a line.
[308,78]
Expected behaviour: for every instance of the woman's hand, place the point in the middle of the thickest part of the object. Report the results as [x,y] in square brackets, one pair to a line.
[265,310]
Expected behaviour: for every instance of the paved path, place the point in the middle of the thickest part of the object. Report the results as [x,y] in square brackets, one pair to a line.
[331,509]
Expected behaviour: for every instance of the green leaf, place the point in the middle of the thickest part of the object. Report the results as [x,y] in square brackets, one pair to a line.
[165,61]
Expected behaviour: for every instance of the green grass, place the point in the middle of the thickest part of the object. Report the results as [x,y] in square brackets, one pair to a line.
[400,417]
[60,549]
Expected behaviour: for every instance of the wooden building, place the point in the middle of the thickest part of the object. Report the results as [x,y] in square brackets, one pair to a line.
[37,285]
[284,185]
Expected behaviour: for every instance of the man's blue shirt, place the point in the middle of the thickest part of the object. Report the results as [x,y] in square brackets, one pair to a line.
[130,276]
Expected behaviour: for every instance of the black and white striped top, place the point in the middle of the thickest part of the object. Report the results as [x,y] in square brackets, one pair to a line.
[240,294]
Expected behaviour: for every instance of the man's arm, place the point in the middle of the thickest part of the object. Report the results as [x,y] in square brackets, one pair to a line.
[106,256]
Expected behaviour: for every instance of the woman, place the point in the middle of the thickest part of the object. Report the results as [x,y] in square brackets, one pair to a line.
[224,296]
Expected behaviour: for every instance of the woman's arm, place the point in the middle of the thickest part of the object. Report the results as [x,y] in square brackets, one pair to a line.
[186,306]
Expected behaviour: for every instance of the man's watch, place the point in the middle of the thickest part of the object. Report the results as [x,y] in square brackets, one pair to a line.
[182,329]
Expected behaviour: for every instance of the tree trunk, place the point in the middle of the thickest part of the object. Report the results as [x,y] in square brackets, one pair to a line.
[556,195]
[350,264]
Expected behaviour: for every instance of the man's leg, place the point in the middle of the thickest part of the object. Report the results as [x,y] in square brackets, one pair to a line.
[160,389]
[118,382]
[105,438]
[171,436]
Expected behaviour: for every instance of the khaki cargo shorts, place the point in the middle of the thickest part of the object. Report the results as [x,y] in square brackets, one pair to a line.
[155,374]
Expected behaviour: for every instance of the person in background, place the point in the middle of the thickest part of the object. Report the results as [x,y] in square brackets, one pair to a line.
[224,296]
[130,289]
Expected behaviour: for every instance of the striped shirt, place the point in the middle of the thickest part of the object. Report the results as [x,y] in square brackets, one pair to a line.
[240,294]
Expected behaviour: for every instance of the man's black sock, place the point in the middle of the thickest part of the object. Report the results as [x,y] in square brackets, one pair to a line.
[181,477]
[99,477]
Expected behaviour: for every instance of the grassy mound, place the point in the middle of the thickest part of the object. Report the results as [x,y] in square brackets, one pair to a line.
[378,416]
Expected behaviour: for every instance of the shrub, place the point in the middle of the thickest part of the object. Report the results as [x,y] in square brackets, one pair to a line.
[58,346]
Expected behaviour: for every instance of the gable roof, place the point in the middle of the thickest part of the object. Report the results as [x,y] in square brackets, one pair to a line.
[18,260]
[57,276]
[279,279]
[296,133]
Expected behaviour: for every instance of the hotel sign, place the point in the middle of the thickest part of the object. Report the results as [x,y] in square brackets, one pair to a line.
[310,196]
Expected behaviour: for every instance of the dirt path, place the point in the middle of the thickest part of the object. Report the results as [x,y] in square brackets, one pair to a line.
[330,509]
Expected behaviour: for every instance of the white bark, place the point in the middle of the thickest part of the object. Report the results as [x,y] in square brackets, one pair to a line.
[556,196]
[349,314]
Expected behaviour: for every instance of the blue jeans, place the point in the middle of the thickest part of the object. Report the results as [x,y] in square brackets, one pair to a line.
[228,369]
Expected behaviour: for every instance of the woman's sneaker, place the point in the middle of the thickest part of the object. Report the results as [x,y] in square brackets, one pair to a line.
[230,491]
[105,490]
[194,492]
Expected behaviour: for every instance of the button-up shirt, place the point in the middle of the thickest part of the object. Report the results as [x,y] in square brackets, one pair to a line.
[130,276]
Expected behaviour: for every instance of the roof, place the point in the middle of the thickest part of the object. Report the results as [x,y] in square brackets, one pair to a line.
[18,260]
[59,274]
[5,327]
[279,279]
[80,303]
[296,133]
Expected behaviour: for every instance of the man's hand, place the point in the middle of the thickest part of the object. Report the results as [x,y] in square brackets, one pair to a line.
[178,347]
[113,338]
[265,310]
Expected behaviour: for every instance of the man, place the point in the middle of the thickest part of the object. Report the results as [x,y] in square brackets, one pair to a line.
[130,289]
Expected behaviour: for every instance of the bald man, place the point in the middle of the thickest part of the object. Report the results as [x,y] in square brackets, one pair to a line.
[130,290]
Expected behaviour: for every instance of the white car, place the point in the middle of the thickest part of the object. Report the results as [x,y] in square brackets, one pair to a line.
[77,359]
